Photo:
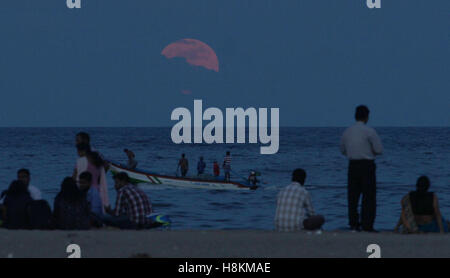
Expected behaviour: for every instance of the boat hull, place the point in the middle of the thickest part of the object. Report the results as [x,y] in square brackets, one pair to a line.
[140,176]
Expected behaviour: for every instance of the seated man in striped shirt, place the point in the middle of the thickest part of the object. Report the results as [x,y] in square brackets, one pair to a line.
[132,205]
[294,208]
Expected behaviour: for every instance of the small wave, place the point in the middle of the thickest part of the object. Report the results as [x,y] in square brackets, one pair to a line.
[162,205]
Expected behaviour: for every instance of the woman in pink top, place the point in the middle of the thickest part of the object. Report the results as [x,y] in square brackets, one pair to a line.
[92,162]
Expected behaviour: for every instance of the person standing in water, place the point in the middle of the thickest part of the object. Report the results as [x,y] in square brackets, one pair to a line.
[132,162]
[227,166]
[183,164]
[216,169]
[360,144]
[201,165]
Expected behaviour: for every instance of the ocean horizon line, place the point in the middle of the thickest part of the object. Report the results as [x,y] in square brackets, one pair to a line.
[286,126]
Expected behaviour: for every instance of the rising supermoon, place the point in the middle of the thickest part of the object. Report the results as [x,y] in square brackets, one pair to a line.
[195,52]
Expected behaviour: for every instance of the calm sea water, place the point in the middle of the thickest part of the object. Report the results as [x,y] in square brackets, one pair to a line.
[50,155]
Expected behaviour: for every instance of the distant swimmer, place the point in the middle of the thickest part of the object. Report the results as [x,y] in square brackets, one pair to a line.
[201,165]
[183,164]
[227,166]
[132,162]
[294,207]
[361,144]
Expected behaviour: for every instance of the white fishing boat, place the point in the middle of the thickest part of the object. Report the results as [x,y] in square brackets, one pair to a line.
[141,176]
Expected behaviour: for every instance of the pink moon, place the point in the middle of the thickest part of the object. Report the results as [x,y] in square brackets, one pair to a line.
[195,52]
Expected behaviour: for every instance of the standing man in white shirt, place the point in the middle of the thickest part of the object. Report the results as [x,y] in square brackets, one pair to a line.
[24,176]
[361,144]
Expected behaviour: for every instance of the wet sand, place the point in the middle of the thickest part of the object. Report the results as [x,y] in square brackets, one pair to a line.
[218,244]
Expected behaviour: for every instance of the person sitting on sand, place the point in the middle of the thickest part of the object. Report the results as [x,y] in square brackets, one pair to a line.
[71,209]
[420,211]
[92,194]
[132,205]
[183,164]
[294,208]
[15,204]
[201,165]
[24,176]
[132,163]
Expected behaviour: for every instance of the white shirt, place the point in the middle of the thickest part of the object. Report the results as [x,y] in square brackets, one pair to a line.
[35,193]
[361,142]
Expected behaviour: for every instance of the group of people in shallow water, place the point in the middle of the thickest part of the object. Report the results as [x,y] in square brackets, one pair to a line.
[183,166]
[360,143]
[82,202]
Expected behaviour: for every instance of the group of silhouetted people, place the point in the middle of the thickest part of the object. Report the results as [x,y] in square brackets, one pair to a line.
[82,202]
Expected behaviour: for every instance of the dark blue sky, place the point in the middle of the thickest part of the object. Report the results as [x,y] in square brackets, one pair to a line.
[314,59]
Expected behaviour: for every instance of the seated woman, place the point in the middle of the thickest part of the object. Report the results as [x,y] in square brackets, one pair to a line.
[420,211]
[71,209]
[15,204]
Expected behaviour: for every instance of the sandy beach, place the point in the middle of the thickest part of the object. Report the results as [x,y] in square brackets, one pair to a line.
[218,244]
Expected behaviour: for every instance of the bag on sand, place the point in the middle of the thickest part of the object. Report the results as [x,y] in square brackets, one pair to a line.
[39,215]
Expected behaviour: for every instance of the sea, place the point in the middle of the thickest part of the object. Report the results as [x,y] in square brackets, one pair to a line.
[50,155]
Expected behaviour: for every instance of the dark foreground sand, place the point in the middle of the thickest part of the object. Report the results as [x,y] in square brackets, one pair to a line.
[219,244]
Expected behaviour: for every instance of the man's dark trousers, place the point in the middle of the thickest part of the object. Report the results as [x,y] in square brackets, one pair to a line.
[362,180]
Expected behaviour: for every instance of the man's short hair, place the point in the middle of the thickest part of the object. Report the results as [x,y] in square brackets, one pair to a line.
[87,176]
[122,176]
[24,171]
[84,136]
[361,113]
[299,175]
[423,183]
